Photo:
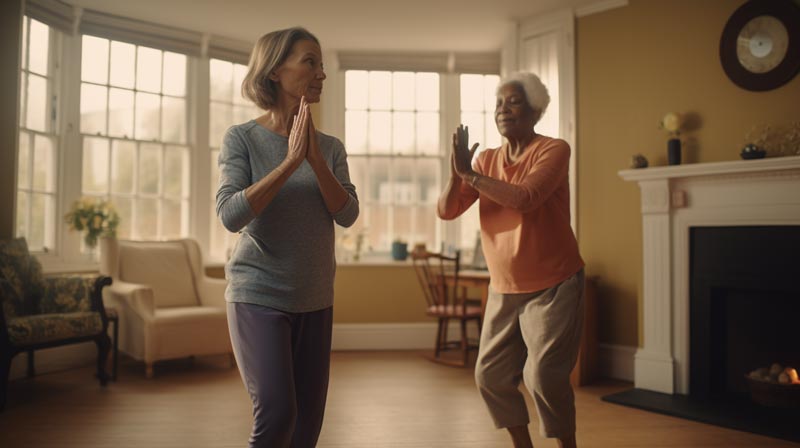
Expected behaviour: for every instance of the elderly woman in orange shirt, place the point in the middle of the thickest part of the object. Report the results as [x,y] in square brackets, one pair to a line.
[533,319]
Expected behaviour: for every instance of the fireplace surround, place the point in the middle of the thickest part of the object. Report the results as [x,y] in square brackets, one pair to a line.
[675,200]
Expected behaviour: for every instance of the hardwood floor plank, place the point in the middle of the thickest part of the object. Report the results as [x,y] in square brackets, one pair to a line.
[376,399]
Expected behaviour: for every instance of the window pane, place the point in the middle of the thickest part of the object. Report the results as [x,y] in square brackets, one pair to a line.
[173,119]
[23,98]
[428,133]
[221,117]
[492,134]
[176,172]
[123,166]
[123,60]
[356,85]
[472,93]
[42,211]
[490,91]
[380,90]
[37,104]
[239,72]
[379,189]
[402,223]
[24,43]
[380,132]
[404,185]
[93,109]
[243,114]
[120,113]
[94,59]
[403,90]
[355,133]
[95,165]
[403,133]
[171,219]
[425,227]
[174,74]
[378,237]
[23,165]
[427,91]
[475,122]
[148,116]
[149,168]
[44,164]
[427,171]
[39,47]
[124,208]
[148,69]
[146,224]
[358,175]
[22,214]
[221,77]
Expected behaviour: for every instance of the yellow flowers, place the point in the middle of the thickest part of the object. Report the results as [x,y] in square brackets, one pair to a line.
[672,123]
[93,216]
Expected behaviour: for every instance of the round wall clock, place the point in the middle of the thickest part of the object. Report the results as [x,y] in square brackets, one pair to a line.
[760,45]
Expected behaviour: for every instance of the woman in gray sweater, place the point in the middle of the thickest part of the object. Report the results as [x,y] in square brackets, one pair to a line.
[282,186]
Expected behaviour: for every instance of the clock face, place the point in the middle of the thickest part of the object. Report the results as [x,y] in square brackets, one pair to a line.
[762,44]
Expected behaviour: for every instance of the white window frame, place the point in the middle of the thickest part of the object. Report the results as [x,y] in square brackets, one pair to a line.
[333,122]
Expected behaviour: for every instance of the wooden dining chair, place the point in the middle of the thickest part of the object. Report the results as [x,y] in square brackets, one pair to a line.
[446,300]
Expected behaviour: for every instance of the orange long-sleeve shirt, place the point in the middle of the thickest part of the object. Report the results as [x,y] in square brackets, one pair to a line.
[528,242]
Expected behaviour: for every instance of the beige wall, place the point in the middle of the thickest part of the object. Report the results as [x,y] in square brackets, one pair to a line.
[634,64]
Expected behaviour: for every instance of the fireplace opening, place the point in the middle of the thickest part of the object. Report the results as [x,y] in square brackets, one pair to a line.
[744,306]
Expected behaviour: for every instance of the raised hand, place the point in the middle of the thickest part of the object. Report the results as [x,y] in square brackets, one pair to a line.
[298,136]
[461,160]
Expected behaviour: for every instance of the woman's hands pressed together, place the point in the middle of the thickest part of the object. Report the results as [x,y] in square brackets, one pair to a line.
[461,159]
[298,136]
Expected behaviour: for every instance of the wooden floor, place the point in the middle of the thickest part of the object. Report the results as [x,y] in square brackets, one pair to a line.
[376,399]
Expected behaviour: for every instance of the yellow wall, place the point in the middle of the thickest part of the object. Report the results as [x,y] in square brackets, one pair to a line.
[634,64]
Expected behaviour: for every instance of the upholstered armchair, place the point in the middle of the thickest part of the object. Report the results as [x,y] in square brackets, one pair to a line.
[41,312]
[167,307]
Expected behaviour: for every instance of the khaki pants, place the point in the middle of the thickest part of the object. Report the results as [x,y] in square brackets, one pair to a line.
[532,337]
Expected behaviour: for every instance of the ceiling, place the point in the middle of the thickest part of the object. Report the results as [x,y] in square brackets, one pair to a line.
[450,25]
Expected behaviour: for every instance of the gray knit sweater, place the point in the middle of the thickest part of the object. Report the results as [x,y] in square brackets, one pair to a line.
[285,256]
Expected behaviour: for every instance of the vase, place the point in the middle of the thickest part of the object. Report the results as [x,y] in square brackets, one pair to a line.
[399,251]
[674,151]
[107,246]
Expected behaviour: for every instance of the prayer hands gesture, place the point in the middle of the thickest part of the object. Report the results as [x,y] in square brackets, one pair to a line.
[461,159]
[298,136]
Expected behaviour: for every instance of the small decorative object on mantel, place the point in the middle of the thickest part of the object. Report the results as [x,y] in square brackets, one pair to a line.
[776,140]
[751,151]
[638,161]
[672,124]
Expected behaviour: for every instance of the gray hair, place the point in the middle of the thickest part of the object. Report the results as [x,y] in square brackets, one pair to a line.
[535,91]
[269,52]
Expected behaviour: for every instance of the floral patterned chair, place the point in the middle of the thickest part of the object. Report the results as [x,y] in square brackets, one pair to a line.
[40,312]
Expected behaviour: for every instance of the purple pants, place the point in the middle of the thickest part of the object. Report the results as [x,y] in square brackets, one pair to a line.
[284,359]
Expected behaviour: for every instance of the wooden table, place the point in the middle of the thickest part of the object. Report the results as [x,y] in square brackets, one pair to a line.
[472,278]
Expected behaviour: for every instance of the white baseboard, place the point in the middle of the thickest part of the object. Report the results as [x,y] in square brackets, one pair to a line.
[616,361]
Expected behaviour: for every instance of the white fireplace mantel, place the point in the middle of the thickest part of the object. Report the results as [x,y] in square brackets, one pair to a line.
[675,199]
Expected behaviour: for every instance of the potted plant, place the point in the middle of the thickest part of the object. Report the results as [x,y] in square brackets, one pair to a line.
[95,217]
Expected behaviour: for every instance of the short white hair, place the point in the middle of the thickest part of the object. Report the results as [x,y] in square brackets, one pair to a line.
[535,91]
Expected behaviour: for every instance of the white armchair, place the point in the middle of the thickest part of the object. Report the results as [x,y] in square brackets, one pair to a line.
[167,307]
